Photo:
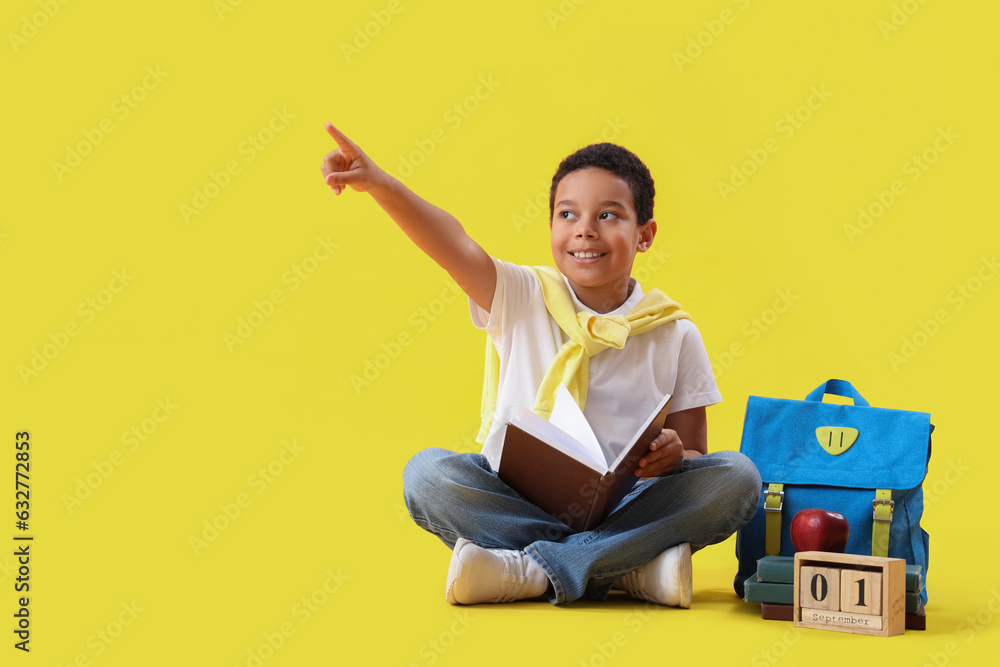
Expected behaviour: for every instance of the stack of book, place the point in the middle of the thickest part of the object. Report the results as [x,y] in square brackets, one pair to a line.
[773,587]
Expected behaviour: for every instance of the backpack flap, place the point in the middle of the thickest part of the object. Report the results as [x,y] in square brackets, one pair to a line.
[812,443]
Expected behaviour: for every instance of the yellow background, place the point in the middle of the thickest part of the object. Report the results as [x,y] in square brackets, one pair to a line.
[329,528]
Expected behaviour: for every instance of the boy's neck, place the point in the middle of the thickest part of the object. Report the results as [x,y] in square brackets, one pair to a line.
[605,299]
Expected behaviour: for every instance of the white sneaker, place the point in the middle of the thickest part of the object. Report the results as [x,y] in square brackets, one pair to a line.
[492,575]
[665,580]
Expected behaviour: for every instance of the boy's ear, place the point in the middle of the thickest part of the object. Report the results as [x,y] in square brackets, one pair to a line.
[646,235]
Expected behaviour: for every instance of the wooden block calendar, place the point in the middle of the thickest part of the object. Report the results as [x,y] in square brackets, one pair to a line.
[863,595]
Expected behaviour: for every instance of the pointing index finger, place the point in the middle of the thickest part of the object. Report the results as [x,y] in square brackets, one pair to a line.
[341,140]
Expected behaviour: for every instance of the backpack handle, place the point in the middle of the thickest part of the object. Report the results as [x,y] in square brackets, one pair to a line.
[837,388]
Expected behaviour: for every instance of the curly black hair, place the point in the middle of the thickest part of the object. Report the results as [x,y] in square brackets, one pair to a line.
[621,162]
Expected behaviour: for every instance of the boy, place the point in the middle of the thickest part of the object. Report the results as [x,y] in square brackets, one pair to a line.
[620,353]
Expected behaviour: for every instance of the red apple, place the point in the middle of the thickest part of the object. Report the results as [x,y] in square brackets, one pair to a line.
[820,530]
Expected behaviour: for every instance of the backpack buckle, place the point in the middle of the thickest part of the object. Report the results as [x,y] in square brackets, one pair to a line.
[879,501]
[767,500]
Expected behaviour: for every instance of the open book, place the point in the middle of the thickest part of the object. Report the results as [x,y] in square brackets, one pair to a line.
[559,465]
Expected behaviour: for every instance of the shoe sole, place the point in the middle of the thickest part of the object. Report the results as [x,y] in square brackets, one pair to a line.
[455,570]
[672,568]
[684,579]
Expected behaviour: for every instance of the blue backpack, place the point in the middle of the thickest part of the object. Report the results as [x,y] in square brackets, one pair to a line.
[863,462]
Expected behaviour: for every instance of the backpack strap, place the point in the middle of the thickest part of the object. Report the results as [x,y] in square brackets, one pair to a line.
[882,507]
[774,500]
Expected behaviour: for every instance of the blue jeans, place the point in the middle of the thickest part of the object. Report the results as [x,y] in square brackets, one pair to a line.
[704,501]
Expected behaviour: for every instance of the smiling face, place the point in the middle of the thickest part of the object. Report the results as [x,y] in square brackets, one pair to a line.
[595,236]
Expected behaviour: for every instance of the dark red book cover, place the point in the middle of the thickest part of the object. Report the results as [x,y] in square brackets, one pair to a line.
[578,494]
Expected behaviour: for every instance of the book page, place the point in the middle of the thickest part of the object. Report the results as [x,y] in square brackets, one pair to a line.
[568,417]
[647,425]
[557,438]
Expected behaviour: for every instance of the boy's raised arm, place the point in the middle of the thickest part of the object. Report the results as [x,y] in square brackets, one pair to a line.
[432,229]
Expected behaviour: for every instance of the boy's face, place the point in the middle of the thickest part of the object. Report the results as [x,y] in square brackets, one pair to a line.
[595,236]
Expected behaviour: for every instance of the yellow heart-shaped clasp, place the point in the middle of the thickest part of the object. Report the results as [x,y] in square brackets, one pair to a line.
[836,439]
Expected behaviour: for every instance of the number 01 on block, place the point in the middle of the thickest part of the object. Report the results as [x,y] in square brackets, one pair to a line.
[849,593]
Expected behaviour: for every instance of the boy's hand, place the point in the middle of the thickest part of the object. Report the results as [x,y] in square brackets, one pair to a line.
[348,165]
[432,229]
[665,453]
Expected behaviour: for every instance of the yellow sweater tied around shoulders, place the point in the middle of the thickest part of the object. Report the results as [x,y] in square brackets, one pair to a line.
[588,334]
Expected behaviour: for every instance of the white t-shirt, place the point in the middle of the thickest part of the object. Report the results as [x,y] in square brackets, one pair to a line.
[625,385]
